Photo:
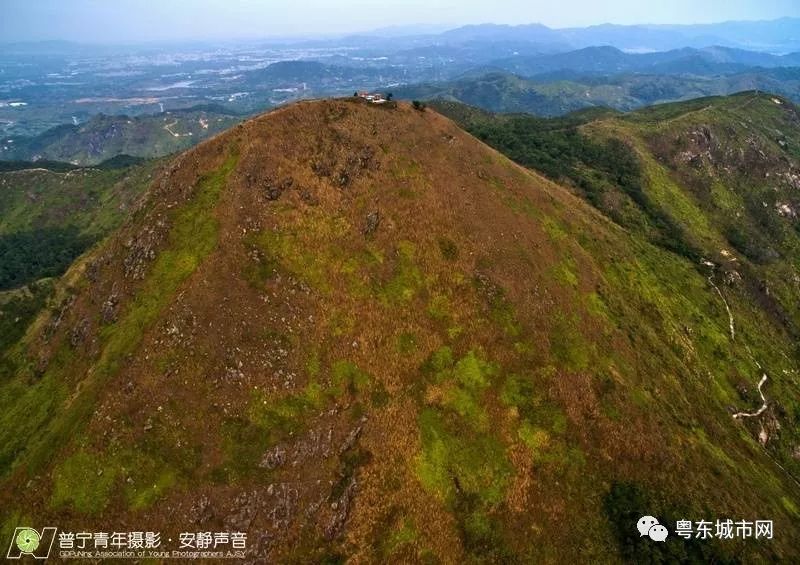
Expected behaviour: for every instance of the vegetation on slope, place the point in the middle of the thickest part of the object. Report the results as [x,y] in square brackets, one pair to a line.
[713,180]
[363,332]
[605,171]
[48,218]
[29,256]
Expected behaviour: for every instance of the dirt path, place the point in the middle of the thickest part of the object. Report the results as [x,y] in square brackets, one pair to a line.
[727,307]
[168,127]
[746,102]
[761,383]
[764,378]
[761,410]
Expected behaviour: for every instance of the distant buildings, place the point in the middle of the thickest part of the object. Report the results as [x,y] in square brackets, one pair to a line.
[372,97]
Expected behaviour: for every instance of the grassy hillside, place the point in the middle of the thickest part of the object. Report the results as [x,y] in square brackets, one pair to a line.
[407,348]
[714,181]
[104,137]
[49,217]
[695,177]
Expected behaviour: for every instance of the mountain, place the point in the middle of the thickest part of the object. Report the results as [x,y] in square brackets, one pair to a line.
[103,137]
[294,73]
[760,129]
[356,332]
[35,201]
[52,84]
[558,93]
[607,60]
[765,35]
[551,96]
[773,36]
[494,33]
[408,30]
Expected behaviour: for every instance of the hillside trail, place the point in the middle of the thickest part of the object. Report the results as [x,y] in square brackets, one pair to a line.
[761,383]
[169,127]
[764,377]
[749,100]
[727,307]
[732,329]
[764,404]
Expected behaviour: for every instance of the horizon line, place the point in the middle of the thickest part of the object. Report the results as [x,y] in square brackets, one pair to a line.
[375,33]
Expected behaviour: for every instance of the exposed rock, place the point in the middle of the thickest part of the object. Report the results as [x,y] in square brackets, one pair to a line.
[701,144]
[285,506]
[201,511]
[770,429]
[58,316]
[352,438]
[142,250]
[785,210]
[732,278]
[273,458]
[274,190]
[791,179]
[108,311]
[308,197]
[323,166]
[342,178]
[246,507]
[79,333]
[92,271]
[315,444]
[372,223]
[341,509]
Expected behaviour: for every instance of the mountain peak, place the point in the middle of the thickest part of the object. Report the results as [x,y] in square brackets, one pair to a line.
[289,281]
[344,323]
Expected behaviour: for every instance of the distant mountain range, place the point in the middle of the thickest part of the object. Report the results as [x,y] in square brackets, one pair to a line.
[687,60]
[566,91]
[779,36]
[526,68]
[775,36]
[557,83]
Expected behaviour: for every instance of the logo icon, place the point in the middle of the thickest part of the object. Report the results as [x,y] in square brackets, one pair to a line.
[27,541]
[649,526]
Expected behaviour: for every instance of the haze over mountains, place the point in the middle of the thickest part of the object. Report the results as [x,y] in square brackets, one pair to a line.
[777,36]
[48,84]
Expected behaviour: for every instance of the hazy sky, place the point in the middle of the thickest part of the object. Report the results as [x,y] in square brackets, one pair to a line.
[130,20]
